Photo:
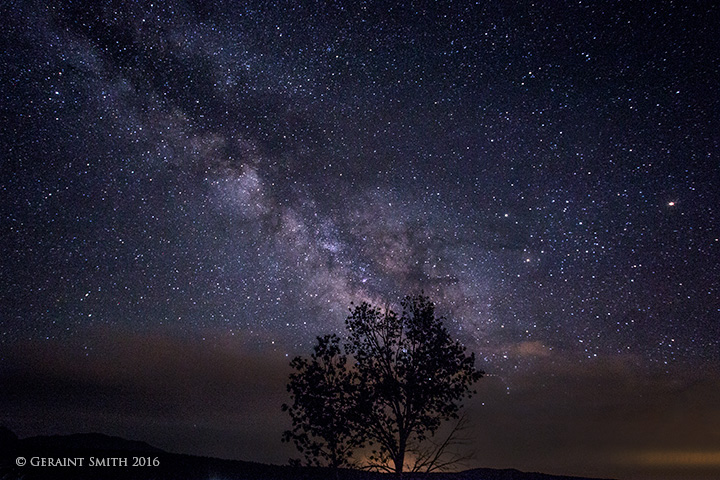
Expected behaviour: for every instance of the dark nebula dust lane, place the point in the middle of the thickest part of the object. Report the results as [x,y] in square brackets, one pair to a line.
[193,191]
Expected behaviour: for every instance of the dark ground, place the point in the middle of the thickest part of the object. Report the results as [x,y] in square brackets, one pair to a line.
[114,450]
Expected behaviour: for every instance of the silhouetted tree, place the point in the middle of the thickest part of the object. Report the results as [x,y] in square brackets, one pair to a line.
[407,377]
[412,374]
[323,391]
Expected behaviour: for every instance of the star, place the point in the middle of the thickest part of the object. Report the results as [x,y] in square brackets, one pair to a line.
[240,174]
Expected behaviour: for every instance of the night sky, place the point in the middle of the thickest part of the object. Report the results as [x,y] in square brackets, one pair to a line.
[193,191]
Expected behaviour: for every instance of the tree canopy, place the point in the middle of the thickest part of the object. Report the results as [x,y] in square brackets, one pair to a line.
[388,386]
[323,390]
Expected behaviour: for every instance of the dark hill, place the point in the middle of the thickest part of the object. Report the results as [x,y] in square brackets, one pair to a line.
[97,441]
[92,456]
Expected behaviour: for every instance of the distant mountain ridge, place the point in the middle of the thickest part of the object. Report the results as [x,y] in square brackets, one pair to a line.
[185,467]
[99,441]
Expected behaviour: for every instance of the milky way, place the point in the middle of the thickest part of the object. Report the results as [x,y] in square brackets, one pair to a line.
[207,171]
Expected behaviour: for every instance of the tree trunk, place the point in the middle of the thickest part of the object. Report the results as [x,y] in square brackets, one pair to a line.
[399,459]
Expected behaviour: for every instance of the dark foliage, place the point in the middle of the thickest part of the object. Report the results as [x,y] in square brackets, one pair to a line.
[408,377]
[323,390]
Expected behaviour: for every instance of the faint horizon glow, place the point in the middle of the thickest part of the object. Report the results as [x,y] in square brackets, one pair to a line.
[677,458]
